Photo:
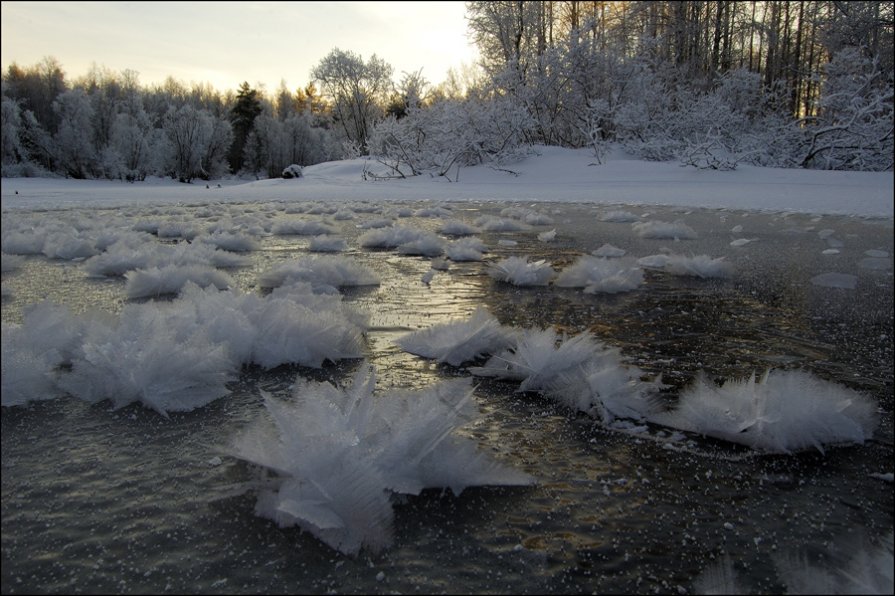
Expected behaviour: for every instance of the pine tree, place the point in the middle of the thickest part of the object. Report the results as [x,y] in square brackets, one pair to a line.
[243,114]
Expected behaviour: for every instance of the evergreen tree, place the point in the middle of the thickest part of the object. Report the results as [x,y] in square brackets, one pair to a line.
[242,116]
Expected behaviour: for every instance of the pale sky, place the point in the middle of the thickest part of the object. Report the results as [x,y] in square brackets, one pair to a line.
[226,43]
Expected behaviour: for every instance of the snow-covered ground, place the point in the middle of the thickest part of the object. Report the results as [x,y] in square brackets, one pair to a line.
[550,174]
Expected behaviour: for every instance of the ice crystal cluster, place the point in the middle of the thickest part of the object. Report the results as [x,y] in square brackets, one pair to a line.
[338,454]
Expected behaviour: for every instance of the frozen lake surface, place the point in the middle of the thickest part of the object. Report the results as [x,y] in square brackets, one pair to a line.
[97,500]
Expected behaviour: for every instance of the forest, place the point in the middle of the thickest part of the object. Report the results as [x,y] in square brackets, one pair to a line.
[710,84]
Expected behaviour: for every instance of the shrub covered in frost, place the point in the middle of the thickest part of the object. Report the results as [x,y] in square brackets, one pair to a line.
[292,171]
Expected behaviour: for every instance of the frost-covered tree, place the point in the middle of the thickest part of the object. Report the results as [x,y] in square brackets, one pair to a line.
[76,152]
[132,141]
[449,134]
[508,33]
[39,145]
[185,133]
[197,143]
[10,125]
[411,92]
[357,90]
[304,144]
[36,88]
[854,126]
[262,146]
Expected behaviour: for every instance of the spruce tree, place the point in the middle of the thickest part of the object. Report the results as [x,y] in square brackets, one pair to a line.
[243,114]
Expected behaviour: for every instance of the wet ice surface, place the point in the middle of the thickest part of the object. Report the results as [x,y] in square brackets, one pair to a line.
[95,500]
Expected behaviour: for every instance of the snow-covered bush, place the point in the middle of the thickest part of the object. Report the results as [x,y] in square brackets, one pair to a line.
[292,171]
[854,128]
[449,134]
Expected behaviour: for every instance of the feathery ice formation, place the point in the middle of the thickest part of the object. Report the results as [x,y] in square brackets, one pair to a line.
[339,453]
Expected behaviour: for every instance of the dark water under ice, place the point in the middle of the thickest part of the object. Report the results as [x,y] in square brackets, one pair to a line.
[102,501]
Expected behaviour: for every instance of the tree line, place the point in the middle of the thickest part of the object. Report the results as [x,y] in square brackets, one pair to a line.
[711,84]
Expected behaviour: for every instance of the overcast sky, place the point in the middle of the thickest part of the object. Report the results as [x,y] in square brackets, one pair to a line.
[225,43]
